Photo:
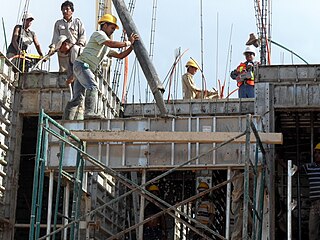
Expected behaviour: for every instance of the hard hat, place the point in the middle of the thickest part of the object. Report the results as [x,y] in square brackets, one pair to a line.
[62,38]
[203,185]
[108,18]
[27,16]
[250,49]
[317,147]
[192,63]
[153,188]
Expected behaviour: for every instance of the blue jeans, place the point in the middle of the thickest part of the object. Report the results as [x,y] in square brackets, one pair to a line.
[85,79]
[246,91]
[314,220]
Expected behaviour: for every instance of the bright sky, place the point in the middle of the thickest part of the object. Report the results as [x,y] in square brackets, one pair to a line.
[295,25]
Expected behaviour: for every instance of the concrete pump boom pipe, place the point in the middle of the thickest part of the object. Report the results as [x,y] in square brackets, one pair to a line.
[142,56]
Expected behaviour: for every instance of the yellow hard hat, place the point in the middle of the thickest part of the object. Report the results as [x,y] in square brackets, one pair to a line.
[109,19]
[153,188]
[192,63]
[203,185]
[317,147]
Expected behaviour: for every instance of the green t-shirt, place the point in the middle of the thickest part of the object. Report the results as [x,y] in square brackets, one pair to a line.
[95,50]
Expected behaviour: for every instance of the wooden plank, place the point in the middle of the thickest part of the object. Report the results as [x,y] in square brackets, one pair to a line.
[173,137]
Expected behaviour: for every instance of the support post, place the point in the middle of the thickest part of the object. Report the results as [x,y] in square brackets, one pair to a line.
[142,56]
[49,215]
[142,204]
[290,205]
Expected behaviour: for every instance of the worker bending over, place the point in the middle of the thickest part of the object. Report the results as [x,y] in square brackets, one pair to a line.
[244,74]
[189,89]
[88,62]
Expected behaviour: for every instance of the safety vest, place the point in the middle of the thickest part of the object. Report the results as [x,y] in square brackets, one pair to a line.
[242,69]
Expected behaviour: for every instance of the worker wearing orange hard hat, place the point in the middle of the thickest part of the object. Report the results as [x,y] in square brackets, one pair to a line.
[189,89]
[313,172]
[86,65]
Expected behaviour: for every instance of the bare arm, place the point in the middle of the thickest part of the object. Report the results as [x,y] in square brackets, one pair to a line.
[37,44]
[15,37]
[122,54]
[115,44]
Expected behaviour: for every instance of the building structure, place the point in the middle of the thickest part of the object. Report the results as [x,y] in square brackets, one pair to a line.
[95,188]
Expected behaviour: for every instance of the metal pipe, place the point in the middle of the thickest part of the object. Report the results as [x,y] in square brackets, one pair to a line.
[246,181]
[289,200]
[50,203]
[142,205]
[298,182]
[228,204]
[36,176]
[142,56]
[66,209]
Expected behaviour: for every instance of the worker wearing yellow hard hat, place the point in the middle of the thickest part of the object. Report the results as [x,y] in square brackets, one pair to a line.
[86,65]
[189,89]
[108,18]
[155,229]
[202,186]
[204,209]
[154,188]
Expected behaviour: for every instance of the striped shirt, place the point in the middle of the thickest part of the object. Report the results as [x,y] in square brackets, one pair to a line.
[204,212]
[313,172]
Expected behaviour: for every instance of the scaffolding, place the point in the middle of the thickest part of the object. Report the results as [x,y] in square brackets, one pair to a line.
[75,179]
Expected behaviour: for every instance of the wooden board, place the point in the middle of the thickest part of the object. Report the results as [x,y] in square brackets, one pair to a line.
[175,137]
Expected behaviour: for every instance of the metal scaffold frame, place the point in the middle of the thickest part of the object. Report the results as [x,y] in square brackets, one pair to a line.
[66,137]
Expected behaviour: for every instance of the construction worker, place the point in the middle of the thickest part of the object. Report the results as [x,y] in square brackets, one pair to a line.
[189,89]
[88,62]
[244,74]
[313,172]
[65,46]
[22,37]
[205,209]
[154,229]
[70,27]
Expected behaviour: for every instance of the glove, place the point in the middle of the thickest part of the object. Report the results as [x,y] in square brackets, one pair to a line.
[234,74]
[51,51]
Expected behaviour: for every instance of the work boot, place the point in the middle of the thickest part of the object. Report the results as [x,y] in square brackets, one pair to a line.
[72,112]
[253,40]
[90,103]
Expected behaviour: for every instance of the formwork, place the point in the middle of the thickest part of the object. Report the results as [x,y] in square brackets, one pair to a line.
[9,142]
[43,90]
[288,98]
[134,154]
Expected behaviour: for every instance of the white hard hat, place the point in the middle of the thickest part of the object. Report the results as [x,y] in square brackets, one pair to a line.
[27,16]
[250,49]
[61,39]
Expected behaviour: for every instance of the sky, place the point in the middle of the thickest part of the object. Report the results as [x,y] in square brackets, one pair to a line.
[226,26]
